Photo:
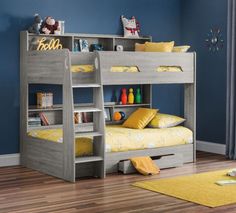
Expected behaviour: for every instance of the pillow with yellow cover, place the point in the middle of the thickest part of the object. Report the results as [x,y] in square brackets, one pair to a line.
[164,121]
[159,46]
[181,49]
[139,47]
[140,118]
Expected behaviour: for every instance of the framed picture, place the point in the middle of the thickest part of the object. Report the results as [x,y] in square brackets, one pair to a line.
[84,47]
[107,114]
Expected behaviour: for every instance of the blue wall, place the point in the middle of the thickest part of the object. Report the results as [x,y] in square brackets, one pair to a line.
[198,17]
[159,18]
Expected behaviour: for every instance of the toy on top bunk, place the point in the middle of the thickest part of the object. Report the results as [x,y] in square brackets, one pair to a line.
[131,27]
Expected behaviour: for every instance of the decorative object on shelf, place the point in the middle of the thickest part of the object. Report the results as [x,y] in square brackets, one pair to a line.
[96,47]
[107,114]
[214,40]
[122,115]
[78,118]
[84,47]
[35,27]
[119,48]
[131,27]
[114,97]
[117,116]
[124,96]
[61,27]
[49,44]
[44,119]
[76,46]
[138,98]
[131,96]
[49,26]
[44,100]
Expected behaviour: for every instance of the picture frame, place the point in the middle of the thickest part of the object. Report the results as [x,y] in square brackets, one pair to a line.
[84,47]
[107,114]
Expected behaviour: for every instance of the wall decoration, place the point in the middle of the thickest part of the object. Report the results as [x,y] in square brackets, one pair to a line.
[84,47]
[52,44]
[214,40]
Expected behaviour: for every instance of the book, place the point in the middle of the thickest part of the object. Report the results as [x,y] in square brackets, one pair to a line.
[225,182]
[44,119]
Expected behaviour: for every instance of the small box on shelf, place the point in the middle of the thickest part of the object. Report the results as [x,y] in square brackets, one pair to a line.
[44,100]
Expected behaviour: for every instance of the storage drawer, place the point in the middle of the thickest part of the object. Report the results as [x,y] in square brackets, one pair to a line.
[167,161]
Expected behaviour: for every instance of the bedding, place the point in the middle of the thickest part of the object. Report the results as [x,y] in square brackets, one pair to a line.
[121,139]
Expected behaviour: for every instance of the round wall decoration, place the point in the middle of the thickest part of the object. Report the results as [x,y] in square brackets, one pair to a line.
[214,40]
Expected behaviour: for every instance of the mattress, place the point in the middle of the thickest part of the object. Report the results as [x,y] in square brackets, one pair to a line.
[121,139]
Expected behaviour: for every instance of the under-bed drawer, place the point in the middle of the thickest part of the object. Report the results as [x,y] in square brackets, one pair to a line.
[162,162]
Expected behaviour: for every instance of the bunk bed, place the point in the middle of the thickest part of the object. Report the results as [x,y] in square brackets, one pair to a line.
[54,67]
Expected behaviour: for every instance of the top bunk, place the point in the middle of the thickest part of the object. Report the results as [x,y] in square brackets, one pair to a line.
[107,67]
[114,68]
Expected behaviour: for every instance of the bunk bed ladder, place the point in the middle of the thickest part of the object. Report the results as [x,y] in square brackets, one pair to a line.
[93,165]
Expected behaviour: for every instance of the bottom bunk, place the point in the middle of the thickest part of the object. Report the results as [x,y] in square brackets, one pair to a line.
[170,147]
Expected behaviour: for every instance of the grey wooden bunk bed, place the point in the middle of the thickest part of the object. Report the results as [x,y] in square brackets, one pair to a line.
[54,67]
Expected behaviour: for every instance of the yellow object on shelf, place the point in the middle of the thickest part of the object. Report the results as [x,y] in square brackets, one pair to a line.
[82,68]
[131,96]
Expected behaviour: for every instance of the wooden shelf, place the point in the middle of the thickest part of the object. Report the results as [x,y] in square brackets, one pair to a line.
[86,86]
[127,105]
[88,159]
[87,109]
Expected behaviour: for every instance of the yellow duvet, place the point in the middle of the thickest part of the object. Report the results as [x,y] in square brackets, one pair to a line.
[121,139]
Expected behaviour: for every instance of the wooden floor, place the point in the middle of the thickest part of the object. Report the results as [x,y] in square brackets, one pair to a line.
[25,191]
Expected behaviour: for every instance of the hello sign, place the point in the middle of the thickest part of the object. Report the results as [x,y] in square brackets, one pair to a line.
[53,44]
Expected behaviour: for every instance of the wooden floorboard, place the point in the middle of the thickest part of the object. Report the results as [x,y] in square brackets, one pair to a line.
[23,190]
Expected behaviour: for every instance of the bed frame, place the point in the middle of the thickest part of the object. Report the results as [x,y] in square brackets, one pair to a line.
[53,67]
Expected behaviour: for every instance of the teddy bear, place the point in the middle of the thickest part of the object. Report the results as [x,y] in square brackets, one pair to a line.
[49,26]
[35,27]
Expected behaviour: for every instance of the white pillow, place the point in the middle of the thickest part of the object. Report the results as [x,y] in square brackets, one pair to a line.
[131,27]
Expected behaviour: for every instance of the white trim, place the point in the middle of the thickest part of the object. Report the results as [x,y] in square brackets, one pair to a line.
[10,160]
[211,147]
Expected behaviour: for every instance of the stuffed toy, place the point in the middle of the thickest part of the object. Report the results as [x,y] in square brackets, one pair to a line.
[131,27]
[49,26]
[35,27]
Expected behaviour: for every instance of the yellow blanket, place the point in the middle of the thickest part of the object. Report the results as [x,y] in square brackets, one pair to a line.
[120,139]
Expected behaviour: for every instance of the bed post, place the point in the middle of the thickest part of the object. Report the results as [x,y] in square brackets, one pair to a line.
[68,123]
[190,107]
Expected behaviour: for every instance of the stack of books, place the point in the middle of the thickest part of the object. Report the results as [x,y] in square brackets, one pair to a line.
[34,121]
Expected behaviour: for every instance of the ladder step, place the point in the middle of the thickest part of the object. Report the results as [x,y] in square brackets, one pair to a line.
[88,159]
[87,134]
[87,109]
[86,86]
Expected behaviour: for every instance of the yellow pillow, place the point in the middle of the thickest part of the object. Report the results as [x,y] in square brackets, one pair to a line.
[159,46]
[181,49]
[82,68]
[140,118]
[145,165]
[165,121]
[139,47]
[83,146]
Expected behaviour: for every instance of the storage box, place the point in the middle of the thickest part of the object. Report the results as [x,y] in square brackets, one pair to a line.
[44,100]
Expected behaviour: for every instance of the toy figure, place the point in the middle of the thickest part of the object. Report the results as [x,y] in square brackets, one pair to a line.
[35,27]
[138,98]
[114,96]
[131,96]
[49,26]
[124,96]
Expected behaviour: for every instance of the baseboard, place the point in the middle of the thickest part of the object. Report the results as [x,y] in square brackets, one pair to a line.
[10,160]
[211,147]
